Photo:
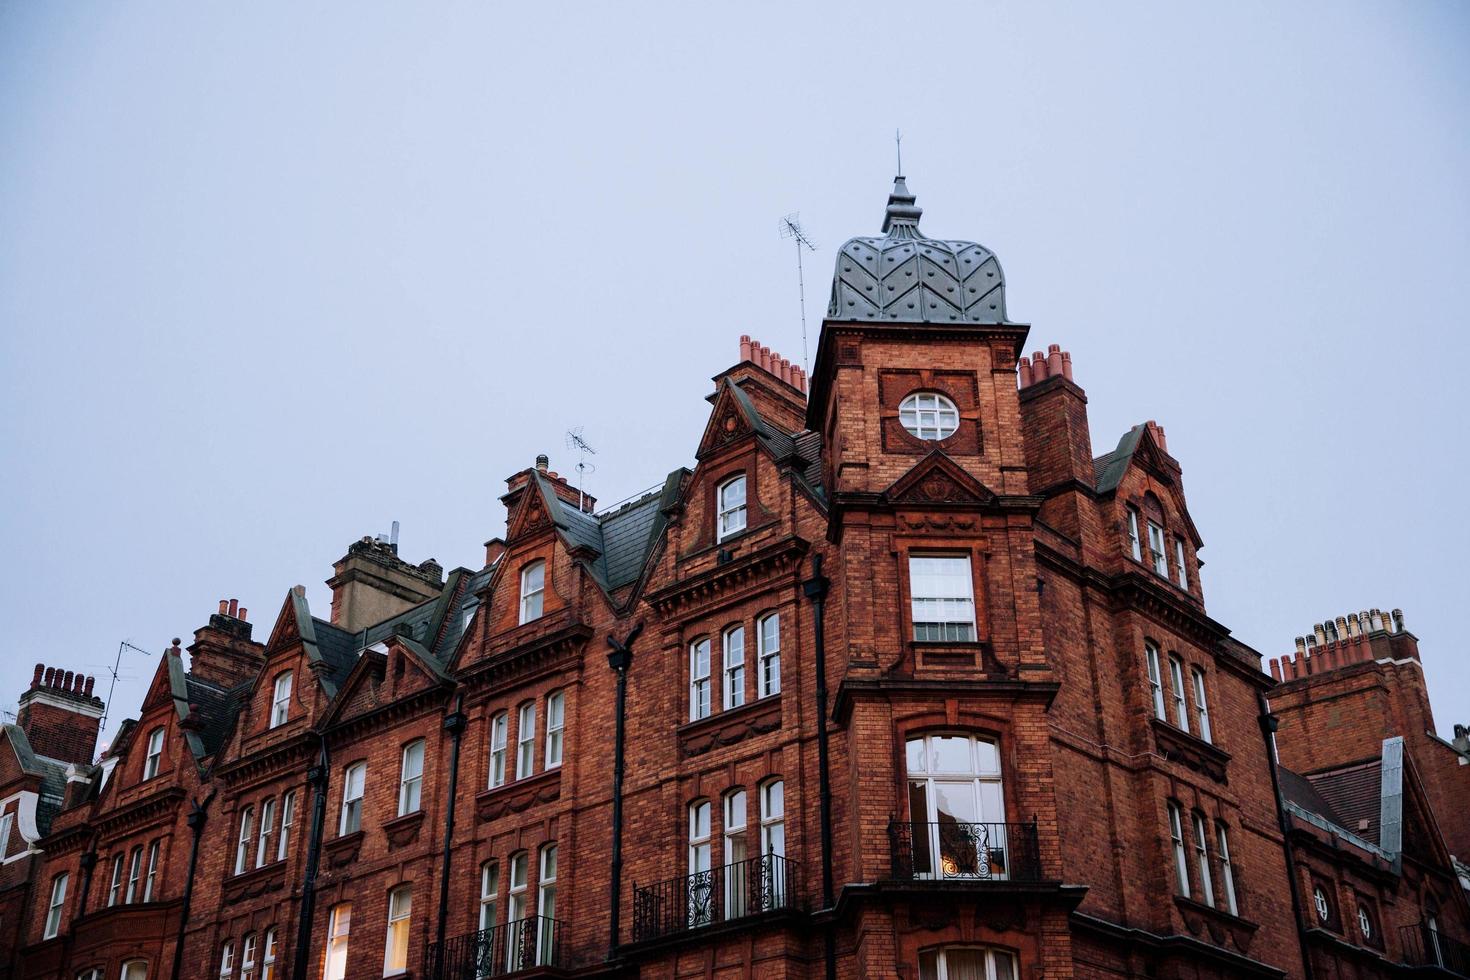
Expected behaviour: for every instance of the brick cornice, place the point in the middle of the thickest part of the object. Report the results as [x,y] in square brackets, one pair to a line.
[152,808]
[876,688]
[527,657]
[703,587]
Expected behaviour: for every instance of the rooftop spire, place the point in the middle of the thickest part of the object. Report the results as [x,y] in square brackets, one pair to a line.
[901,218]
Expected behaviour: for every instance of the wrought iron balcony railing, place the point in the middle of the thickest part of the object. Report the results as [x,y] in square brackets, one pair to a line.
[952,851]
[507,948]
[760,884]
[1425,945]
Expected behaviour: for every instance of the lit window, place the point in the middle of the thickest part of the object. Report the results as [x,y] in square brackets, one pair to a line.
[247,957]
[339,927]
[489,889]
[966,964]
[155,754]
[533,590]
[288,815]
[769,637]
[1135,546]
[943,598]
[732,507]
[1156,549]
[58,902]
[268,960]
[699,680]
[134,970]
[152,872]
[353,782]
[498,734]
[546,907]
[1227,870]
[699,862]
[1365,923]
[242,845]
[1176,686]
[956,808]
[1319,899]
[1155,683]
[135,873]
[734,664]
[526,740]
[267,828]
[556,709]
[517,939]
[227,961]
[281,700]
[737,874]
[1202,860]
[1201,709]
[1181,862]
[115,892]
[400,910]
[411,778]
[1181,570]
[929,416]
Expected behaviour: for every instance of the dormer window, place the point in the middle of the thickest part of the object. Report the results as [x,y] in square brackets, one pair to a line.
[533,590]
[732,507]
[155,754]
[1181,570]
[1135,544]
[281,699]
[930,416]
[1156,550]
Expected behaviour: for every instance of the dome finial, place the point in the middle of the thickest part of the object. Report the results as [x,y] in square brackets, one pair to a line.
[901,218]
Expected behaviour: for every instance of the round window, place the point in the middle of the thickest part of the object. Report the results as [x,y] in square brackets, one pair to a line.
[1319,898]
[1365,923]
[928,415]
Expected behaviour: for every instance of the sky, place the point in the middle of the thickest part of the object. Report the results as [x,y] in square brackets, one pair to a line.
[275,275]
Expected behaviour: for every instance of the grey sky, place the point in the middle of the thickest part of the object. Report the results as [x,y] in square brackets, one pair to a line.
[272,276]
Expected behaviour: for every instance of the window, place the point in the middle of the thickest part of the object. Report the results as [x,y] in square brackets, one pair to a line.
[515,914]
[943,598]
[6,819]
[773,843]
[267,828]
[533,590]
[339,926]
[247,834]
[268,960]
[956,807]
[498,728]
[1155,684]
[115,892]
[526,740]
[247,957]
[1201,709]
[353,781]
[1156,549]
[411,778]
[699,680]
[732,507]
[288,815]
[135,873]
[966,964]
[546,906]
[58,902]
[281,700]
[489,888]
[736,870]
[134,970]
[1181,863]
[556,709]
[227,961]
[1365,923]
[155,753]
[1202,860]
[1176,688]
[734,664]
[95,973]
[152,872]
[699,863]
[1227,870]
[400,911]
[1135,546]
[1319,900]
[770,655]
[1181,570]
[928,415]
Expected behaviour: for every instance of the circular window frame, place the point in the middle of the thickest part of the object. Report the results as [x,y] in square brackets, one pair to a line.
[943,406]
[1323,906]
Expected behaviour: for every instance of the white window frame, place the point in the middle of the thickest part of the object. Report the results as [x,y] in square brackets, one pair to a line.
[281,699]
[1202,859]
[489,893]
[533,590]
[1181,571]
[1135,543]
[1181,859]
[95,973]
[6,820]
[516,910]
[700,857]
[1201,704]
[526,740]
[268,956]
[1365,923]
[400,921]
[1321,902]
[246,838]
[339,938]
[948,615]
[984,779]
[699,682]
[736,854]
[1155,678]
[768,644]
[928,415]
[732,660]
[288,817]
[1156,549]
[134,970]
[247,956]
[267,828]
[499,736]
[227,960]
[732,513]
[56,906]
[135,873]
[546,906]
[556,721]
[114,893]
[150,877]
[154,761]
[1227,869]
[350,819]
[999,964]
[773,840]
[411,778]
[1176,686]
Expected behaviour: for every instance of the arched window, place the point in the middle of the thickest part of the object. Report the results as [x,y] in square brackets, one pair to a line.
[768,632]
[1176,689]
[281,699]
[154,758]
[1176,841]
[1322,902]
[966,963]
[354,780]
[1202,859]
[247,956]
[1155,679]
[499,726]
[546,907]
[411,778]
[699,699]
[733,662]
[929,415]
[526,740]
[115,892]
[152,871]
[268,959]
[134,970]
[700,880]
[1201,707]
[489,890]
[533,590]
[957,807]
[1157,552]
[400,912]
[732,507]
[556,709]
[263,851]
[92,973]
[1227,869]
[56,906]
[135,873]
[517,914]
[227,961]
[738,878]
[773,843]
[339,929]
[288,816]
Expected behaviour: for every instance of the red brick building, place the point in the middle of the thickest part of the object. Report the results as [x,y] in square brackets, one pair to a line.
[898,680]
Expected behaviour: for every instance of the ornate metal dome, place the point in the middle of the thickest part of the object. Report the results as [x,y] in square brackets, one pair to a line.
[907,277]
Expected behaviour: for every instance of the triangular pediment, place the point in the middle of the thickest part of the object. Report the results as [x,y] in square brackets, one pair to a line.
[531,516]
[938,479]
[729,420]
[287,630]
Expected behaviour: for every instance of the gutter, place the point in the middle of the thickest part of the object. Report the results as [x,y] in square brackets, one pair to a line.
[1268,730]
[454,724]
[196,820]
[317,776]
[815,589]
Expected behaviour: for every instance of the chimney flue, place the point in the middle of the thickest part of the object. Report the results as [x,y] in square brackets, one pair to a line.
[543,462]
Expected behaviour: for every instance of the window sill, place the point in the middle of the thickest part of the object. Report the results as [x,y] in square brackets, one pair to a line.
[404,830]
[728,727]
[342,851]
[519,795]
[1190,751]
[952,654]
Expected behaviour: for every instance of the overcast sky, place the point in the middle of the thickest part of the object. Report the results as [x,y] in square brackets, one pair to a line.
[275,275]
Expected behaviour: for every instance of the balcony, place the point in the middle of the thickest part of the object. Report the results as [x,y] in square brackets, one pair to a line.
[535,942]
[1425,946]
[952,851]
[750,887]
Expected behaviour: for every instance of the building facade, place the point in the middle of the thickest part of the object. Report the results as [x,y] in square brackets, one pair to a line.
[897,680]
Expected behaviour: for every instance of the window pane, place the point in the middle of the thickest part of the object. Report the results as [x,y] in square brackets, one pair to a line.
[950,753]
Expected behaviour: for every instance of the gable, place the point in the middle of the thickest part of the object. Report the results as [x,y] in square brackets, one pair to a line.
[937,479]
[731,420]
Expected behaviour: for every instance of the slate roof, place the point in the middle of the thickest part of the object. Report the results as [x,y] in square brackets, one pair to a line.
[51,771]
[338,648]
[1110,467]
[1300,790]
[1355,795]
[217,709]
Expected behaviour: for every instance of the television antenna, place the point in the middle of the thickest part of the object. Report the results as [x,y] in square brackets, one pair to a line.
[791,228]
[575,441]
[113,670]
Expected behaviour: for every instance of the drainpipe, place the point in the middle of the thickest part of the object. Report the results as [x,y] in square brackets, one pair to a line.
[1268,730]
[620,660]
[196,829]
[317,777]
[454,724]
[815,589]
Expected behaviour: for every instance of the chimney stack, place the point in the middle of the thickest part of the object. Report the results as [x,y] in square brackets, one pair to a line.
[60,715]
